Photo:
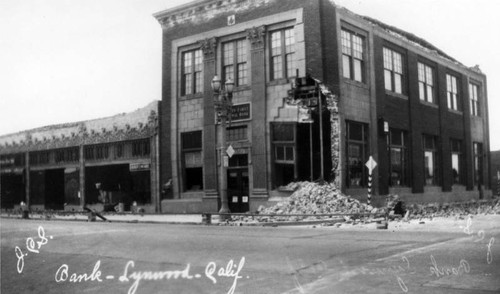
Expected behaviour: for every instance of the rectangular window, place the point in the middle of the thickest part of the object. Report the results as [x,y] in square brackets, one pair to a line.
[192,159]
[452,92]
[283,54]
[431,160]
[478,163]
[284,153]
[235,62]
[426,83]
[393,71]
[237,133]
[192,66]
[140,148]
[474,99]
[357,154]
[119,150]
[457,161]
[398,156]
[352,55]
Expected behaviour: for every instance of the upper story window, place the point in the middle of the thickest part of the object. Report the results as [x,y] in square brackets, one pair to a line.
[283,54]
[192,67]
[393,71]
[452,92]
[235,62]
[426,83]
[474,99]
[352,56]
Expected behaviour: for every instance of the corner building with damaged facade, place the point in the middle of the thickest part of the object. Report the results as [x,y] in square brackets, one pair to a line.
[317,91]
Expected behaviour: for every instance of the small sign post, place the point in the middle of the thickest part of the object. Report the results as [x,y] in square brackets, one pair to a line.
[370,164]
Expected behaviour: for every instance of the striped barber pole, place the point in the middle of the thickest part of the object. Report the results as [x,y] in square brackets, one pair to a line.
[370,164]
[369,189]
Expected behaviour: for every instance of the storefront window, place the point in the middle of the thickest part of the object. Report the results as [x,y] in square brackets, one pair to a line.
[192,161]
[284,153]
[431,160]
[399,167]
[357,154]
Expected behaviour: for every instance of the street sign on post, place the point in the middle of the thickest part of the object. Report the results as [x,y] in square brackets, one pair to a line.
[370,164]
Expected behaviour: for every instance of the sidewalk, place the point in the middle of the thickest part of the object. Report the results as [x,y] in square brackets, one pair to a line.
[193,219]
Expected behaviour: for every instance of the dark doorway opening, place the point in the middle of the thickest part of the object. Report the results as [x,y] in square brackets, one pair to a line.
[238,184]
[54,189]
[13,191]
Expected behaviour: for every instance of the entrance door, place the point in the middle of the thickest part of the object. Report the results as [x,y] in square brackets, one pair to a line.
[238,189]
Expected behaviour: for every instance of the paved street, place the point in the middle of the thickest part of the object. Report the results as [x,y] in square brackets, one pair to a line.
[80,257]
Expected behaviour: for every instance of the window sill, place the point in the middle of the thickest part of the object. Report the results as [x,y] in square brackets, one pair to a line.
[396,95]
[355,83]
[455,111]
[433,105]
[241,88]
[192,96]
[280,81]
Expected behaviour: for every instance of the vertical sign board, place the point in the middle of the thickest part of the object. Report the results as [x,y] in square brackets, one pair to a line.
[370,164]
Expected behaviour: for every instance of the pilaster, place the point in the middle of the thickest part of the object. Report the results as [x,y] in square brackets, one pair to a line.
[256,36]
[209,47]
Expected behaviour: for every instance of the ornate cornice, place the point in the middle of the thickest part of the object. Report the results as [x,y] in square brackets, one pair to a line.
[140,124]
[256,37]
[209,47]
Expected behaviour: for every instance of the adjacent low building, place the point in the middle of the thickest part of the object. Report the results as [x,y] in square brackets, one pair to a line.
[317,91]
[99,162]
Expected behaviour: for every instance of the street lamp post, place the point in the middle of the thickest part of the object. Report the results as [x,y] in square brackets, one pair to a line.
[222,104]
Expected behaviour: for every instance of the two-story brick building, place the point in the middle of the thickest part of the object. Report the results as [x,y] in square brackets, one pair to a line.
[385,93]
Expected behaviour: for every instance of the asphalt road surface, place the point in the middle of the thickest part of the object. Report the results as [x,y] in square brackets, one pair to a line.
[79,257]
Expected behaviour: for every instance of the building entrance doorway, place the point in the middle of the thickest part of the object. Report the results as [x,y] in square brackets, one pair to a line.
[238,184]
[54,189]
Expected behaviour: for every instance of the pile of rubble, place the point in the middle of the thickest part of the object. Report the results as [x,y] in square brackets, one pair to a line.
[455,209]
[324,202]
[311,199]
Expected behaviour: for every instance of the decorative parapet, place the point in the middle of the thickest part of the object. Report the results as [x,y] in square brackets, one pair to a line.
[202,11]
[142,123]
[256,37]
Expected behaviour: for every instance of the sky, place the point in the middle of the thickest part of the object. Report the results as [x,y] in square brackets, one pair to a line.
[65,61]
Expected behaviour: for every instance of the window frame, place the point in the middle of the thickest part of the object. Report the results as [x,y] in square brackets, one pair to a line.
[461,164]
[453,92]
[195,83]
[285,145]
[240,78]
[391,71]
[364,143]
[477,153]
[349,53]
[288,62]
[424,96]
[405,154]
[474,97]
[435,179]
[191,149]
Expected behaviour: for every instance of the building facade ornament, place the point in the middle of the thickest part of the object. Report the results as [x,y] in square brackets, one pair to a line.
[256,37]
[209,47]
